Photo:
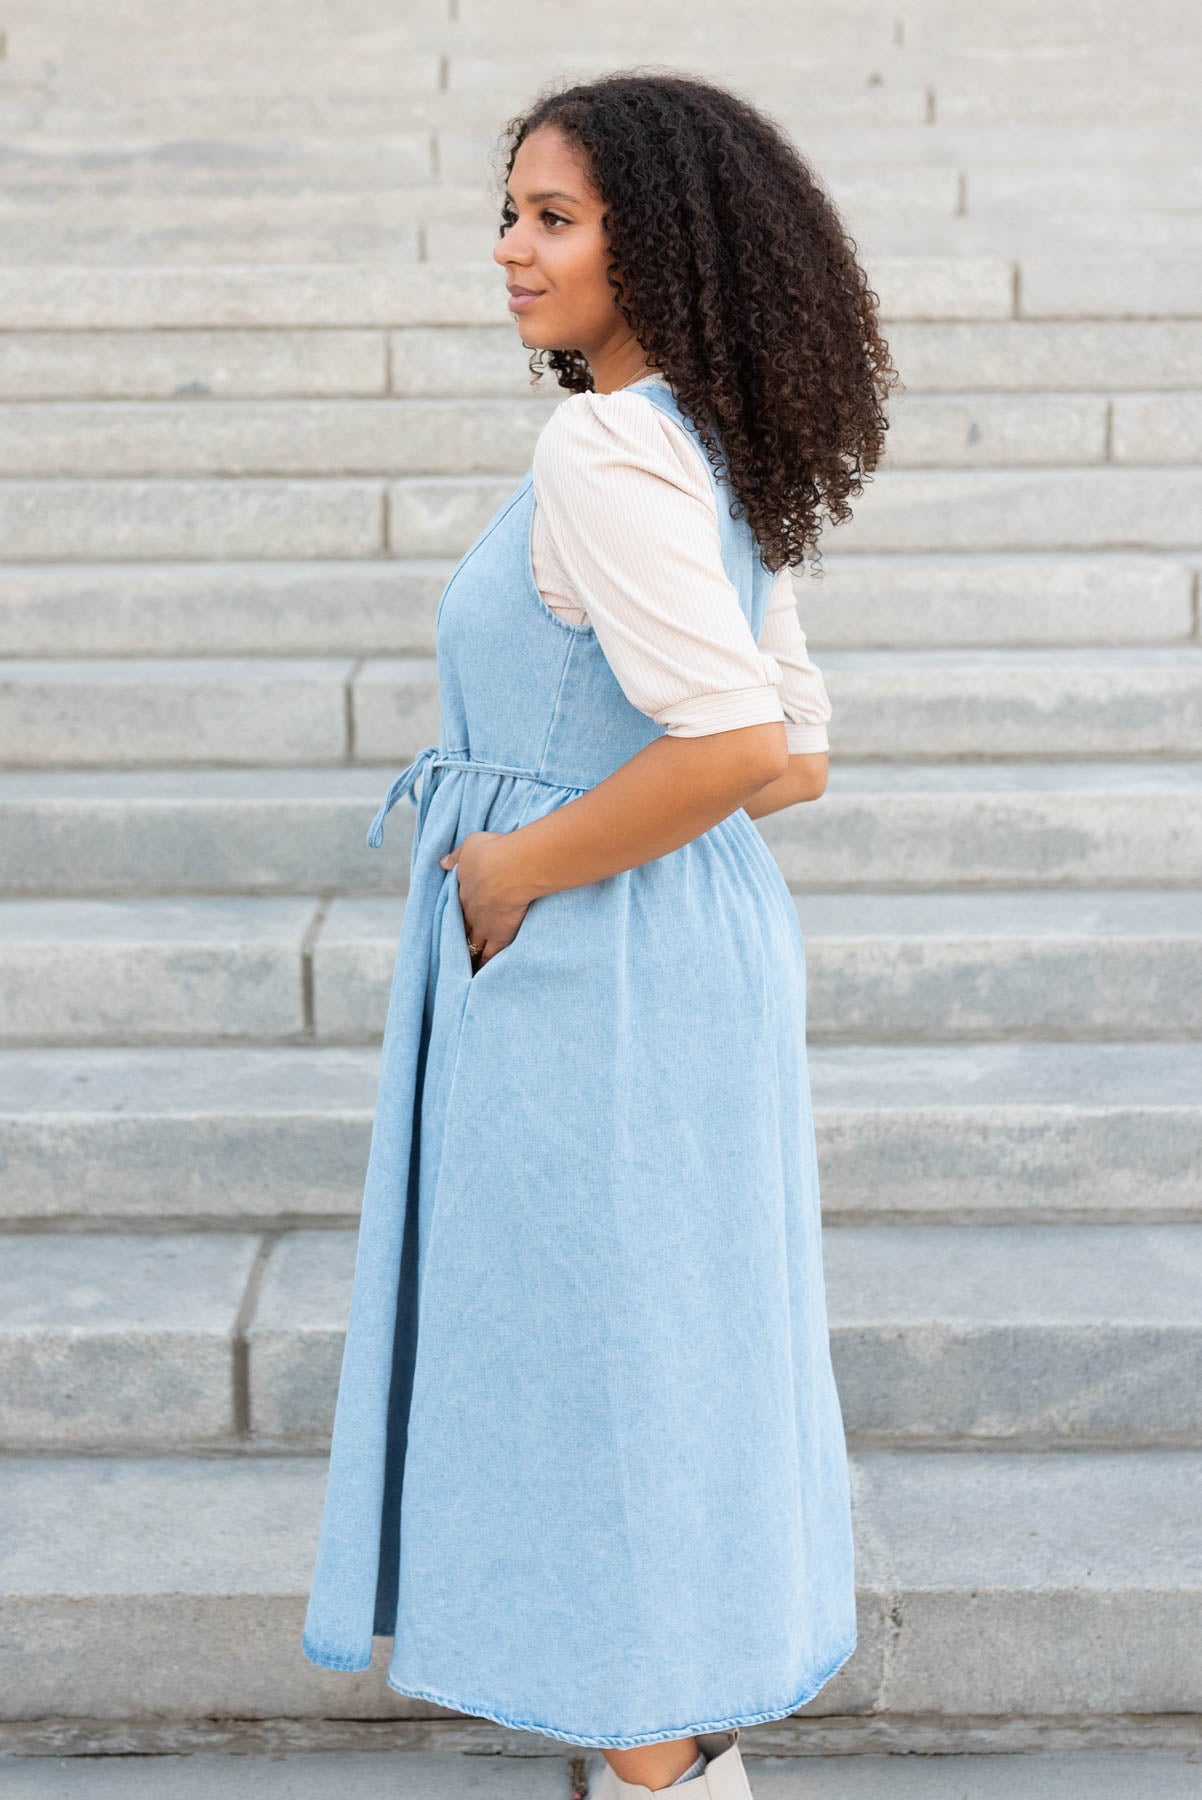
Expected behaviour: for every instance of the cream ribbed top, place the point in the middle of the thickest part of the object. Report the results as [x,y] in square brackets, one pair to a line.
[624,537]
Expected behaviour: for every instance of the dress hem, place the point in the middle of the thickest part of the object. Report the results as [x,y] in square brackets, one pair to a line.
[664,1733]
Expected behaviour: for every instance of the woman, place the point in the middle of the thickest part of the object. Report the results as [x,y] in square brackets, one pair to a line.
[588,1467]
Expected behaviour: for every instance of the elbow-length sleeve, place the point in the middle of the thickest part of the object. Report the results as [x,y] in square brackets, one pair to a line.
[629,510]
[803,690]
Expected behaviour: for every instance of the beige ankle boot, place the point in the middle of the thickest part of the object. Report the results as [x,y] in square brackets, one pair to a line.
[723,1778]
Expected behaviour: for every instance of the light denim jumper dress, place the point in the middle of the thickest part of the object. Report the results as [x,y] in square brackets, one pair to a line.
[588,1467]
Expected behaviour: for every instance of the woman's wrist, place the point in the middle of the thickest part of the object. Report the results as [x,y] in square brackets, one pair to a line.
[517,882]
[631,817]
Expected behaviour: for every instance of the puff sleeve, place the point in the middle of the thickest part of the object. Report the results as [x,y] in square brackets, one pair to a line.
[802,689]
[625,523]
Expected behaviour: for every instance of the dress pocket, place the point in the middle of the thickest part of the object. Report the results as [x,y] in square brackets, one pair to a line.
[455,907]
[458,925]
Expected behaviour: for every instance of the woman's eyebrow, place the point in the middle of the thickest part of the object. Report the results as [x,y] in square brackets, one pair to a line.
[547,194]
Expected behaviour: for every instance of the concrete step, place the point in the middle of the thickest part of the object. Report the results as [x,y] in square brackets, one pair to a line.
[128,711]
[899,826]
[1044,1336]
[185,1136]
[387,206]
[1122,1775]
[197,1137]
[908,705]
[280,228]
[1102,965]
[393,179]
[462,123]
[992,600]
[454,437]
[898,966]
[142,971]
[138,1346]
[1042,355]
[233,235]
[409,1775]
[386,607]
[256,225]
[1052,1335]
[381,294]
[1041,1336]
[59,113]
[1008,825]
[392,175]
[1072,1576]
[269,518]
[1008,1132]
[195,521]
[48,163]
[1101,93]
[1095,47]
[233,52]
[1012,187]
[56,113]
[298,363]
[1001,509]
[1033,964]
[864,44]
[282,437]
[380,229]
[448,134]
[970,282]
[1017,236]
[866,38]
[525,1774]
[910,510]
[1026,235]
[485,362]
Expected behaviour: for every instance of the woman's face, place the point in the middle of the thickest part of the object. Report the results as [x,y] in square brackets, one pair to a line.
[554,245]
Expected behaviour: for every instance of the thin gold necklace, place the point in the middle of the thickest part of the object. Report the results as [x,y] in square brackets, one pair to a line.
[645,370]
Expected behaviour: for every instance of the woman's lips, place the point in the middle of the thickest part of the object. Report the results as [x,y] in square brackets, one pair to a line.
[519,301]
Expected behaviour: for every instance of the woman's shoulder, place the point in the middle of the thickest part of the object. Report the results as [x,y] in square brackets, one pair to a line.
[625,427]
[589,418]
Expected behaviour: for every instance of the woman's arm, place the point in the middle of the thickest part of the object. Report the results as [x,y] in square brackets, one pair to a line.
[668,793]
[804,779]
[806,703]
[665,795]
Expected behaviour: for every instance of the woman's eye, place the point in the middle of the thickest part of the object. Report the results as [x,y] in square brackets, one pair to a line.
[509,217]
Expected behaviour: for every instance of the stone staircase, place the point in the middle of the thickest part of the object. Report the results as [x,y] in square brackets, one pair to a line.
[257,391]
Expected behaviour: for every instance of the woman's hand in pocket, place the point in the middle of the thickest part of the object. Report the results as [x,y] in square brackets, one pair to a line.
[491,915]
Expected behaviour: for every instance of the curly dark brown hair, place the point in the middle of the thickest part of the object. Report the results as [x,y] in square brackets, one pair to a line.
[734,270]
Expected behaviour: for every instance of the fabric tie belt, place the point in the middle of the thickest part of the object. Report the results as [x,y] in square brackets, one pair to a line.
[434,757]
[404,784]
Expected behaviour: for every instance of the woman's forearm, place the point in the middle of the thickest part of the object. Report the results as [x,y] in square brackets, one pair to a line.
[804,779]
[667,794]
